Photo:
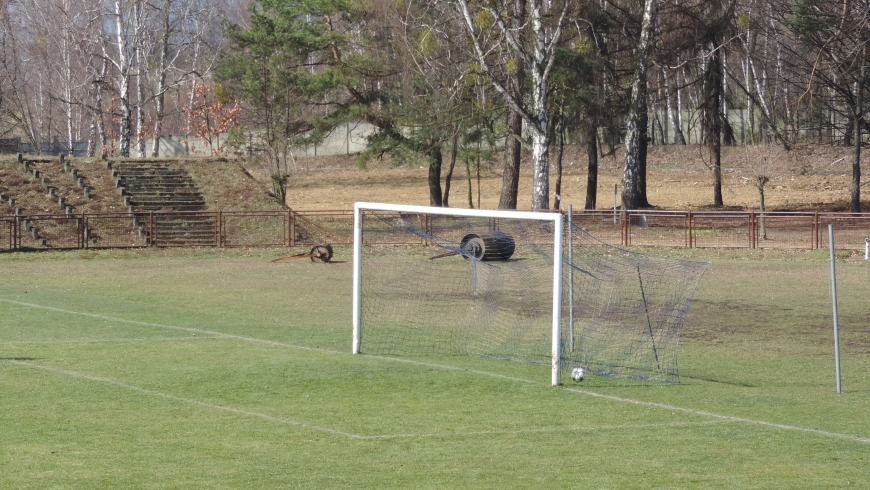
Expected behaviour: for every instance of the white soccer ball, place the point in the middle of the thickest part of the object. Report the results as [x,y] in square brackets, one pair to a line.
[578,374]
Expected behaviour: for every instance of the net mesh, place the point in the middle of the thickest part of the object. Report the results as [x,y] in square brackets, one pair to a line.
[484,286]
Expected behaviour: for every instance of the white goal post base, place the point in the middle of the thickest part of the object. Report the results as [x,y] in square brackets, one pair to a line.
[555,219]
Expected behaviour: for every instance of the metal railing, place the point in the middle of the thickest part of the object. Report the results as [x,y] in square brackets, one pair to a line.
[292,228]
[726,229]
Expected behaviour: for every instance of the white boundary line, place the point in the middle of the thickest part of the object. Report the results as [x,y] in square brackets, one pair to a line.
[171,327]
[110,341]
[317,428]
[724,418]
[191,401]
[544,430]
[692,411]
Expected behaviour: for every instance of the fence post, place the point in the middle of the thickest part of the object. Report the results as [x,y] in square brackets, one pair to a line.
[151,228]
[614,204]
[291,228]
[691,230]
[751,230]
[220,228]
[625,228]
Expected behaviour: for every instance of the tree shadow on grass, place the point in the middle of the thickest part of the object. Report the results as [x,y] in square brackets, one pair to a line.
[19,358]
[722,381]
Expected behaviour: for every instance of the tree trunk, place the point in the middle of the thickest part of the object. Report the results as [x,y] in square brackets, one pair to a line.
[101,123]
[158,120]
[856,174]
[856,159]
[858,117]
[712,117]
[541,176]
[678,139]
[760,182]
[728,138]
[468,176]
[126,128]
[97,138]
[449,175]
[435,160]
[541,126]
[849,130]
[123,65]
[513,148]
[159,103]
[633,182]
[592,172]
[512,156]
[643,144]
[557,198]
[140,115]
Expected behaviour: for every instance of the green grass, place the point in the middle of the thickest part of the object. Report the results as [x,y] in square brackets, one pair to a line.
[219,369]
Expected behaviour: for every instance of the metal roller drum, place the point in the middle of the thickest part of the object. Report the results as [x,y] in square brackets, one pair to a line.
[488,246]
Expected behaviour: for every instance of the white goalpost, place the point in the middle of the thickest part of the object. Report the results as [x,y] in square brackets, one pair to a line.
[554,218]
[522,286]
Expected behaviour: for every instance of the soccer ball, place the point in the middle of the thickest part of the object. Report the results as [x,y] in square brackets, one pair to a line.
[578,374]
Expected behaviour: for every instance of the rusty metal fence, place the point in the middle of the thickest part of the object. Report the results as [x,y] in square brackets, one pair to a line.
[726,229]
[292,228]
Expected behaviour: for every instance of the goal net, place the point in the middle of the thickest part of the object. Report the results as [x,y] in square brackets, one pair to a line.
[515,285]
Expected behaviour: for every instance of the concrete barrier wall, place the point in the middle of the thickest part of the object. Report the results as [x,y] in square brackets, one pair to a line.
[345,139]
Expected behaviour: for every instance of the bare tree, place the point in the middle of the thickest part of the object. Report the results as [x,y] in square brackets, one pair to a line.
[176,47]
[489,30]
[516,80]
[636,140]
[15,108]
[836,35]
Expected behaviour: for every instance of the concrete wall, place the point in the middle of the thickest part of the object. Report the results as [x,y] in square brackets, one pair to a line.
[344,140]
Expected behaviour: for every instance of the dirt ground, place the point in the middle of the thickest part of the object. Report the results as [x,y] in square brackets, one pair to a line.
[805,178]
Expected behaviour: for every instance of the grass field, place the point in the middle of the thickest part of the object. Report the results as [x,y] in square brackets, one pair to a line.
[219,369]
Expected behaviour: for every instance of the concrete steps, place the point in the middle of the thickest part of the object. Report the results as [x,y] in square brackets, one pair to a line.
[158,187]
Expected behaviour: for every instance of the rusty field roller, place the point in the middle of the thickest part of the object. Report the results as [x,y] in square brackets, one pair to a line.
[488,246]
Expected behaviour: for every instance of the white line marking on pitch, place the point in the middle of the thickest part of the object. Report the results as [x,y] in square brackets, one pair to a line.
[191,401]
[118,340]
[599,428]
[728,418]
[303,425]
[693,411]
[172,327]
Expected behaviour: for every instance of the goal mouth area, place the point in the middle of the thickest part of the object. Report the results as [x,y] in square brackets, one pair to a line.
[519,286]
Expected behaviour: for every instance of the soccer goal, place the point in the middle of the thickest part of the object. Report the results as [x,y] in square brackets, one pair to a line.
[522,286]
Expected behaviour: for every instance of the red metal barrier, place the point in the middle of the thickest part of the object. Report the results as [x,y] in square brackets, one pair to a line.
[292,228]
[725,229]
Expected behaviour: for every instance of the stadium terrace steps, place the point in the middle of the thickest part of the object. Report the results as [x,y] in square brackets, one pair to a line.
[155,186]
[47,193]
[26,191]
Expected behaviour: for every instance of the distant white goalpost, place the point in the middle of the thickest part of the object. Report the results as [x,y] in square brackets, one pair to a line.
[554,218]
[522,286]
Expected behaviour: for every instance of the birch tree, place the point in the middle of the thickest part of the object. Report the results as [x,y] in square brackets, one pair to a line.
[123,43]
[489,30]
[175,47]
[636,139]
